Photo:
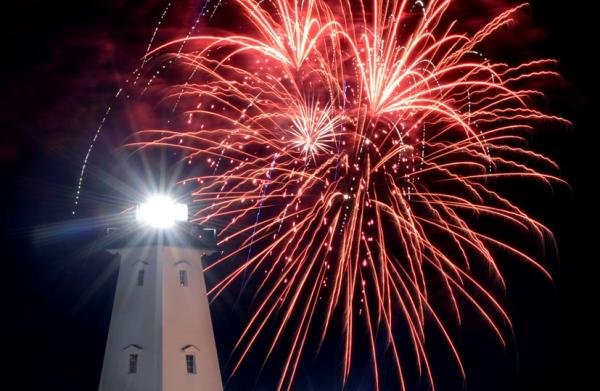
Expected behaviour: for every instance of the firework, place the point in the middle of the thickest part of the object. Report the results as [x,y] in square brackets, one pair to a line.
[349,150]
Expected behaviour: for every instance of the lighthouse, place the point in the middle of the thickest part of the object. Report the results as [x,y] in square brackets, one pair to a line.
[160,336]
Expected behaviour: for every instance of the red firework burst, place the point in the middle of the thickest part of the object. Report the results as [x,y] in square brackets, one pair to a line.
[352,146]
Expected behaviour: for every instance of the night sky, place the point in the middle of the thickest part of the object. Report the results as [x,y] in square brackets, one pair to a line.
[61,64]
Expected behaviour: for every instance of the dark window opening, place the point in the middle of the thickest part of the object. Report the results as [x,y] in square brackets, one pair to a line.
[183,278]
[190,363]
[133,360]
[140,278]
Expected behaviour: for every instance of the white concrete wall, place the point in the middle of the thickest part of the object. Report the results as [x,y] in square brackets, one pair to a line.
[136,319]
[162,317]
[186,321]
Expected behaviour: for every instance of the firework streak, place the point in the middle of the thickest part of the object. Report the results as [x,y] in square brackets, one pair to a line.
[351,151]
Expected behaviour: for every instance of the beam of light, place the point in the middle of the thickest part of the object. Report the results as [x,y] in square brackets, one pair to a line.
[161,212]
[354,146]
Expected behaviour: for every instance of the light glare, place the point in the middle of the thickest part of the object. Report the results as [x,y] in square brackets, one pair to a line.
[161,212]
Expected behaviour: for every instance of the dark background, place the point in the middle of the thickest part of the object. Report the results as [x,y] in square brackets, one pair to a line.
[61,64]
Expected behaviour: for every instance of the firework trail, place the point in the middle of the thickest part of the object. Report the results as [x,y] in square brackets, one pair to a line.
[129,86]
[353,146]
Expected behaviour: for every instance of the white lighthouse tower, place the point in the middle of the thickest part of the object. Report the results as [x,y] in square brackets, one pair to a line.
[160,336]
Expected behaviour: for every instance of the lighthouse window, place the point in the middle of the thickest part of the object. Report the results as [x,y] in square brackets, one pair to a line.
[133,359]
[140,278]
[190,363]
[183,278]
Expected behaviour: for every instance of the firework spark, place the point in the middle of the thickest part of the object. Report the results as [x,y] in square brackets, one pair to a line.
[351,149]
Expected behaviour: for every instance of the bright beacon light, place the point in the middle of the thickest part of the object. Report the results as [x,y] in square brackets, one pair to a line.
[161,212]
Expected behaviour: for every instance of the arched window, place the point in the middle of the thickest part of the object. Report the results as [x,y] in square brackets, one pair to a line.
[190,364]
[140,266]
[183,278]
[183,274]
[190,358]
[133,360]
[140,277]
[132,363]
